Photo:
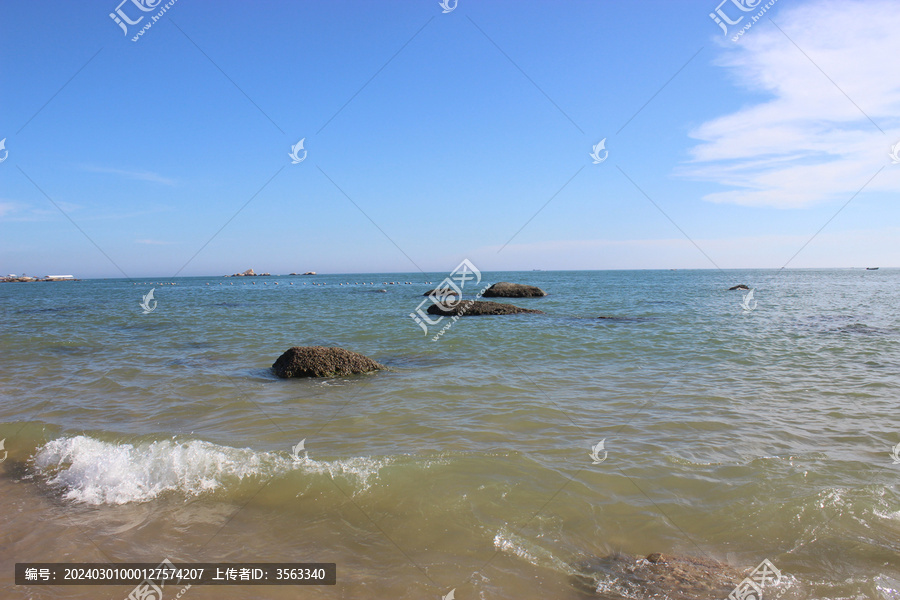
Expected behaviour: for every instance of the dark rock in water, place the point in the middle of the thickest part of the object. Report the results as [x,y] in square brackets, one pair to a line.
[504,289]
[621,577]
[739,286]
[625,319]
[441,292]
[322,361]
[474,308]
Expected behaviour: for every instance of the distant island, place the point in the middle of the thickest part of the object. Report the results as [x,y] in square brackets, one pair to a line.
[250,273]
[13,278]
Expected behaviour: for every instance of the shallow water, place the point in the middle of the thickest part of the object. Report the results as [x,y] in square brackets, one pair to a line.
[731,434]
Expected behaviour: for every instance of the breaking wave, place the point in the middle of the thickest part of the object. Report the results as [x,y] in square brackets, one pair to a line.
[92,471]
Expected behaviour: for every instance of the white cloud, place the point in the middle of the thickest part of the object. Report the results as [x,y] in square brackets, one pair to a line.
[139,175]
[808,142]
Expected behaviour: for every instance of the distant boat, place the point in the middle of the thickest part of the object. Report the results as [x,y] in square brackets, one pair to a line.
[871,268]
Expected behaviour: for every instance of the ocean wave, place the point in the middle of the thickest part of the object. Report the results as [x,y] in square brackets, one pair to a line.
[92,471]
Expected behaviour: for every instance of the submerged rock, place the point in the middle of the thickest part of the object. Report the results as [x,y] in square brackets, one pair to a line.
[474,308]
[505,289]
[739,286]
[621,577]
[625,319]
[441,292]
[322,361]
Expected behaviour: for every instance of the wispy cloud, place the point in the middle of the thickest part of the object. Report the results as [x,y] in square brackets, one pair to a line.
[14,211]
[154,242]
[19,212]
[7,208]
[139,175]
[832,114]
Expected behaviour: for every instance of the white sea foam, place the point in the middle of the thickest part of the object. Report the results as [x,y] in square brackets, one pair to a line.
[888,587]
[96,472]
[513,544]
[534,554]
[884,514]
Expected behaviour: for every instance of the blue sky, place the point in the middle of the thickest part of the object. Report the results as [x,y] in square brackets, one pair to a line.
[434,137]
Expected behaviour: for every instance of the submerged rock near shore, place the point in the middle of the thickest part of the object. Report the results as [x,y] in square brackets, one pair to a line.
[441,292]
[505,289]
[474,308]
[621,576]
[322,361]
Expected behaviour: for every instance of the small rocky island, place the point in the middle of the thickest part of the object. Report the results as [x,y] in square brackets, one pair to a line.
[250,273]
[505,289]
[322,361]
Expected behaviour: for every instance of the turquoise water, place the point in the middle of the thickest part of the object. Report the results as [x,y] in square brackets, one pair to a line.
[731,434]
